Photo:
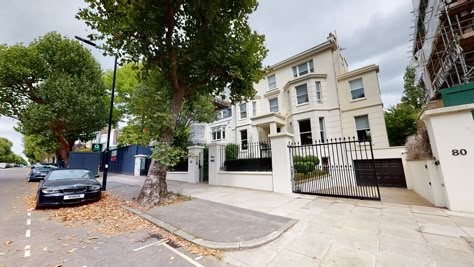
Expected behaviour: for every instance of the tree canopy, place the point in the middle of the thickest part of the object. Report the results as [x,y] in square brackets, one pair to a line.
[401,119]
[38,148]
[6,153]
[197,47]
[54,87]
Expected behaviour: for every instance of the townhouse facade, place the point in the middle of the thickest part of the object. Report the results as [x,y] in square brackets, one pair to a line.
[311,95]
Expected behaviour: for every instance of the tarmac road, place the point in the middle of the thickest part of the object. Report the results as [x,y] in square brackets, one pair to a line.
[28,238]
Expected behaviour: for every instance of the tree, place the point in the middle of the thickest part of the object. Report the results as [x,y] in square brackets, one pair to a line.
[6,153]
[401,120]
[198,48]
[401,123]
[38,148]
[54,87]
[413,95]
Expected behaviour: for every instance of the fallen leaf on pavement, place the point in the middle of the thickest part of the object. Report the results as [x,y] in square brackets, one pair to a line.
[71,251]
[8,242]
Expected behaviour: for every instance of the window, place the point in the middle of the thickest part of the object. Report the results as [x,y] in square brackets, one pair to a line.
[224,113]
[322,129]
[254,108]
[357,88]
[302,94]
[319,96]
[243,110]
[305,131]
[272,84]
[218,133]
[303,69]
[243,139]
[273,104]
[362,127]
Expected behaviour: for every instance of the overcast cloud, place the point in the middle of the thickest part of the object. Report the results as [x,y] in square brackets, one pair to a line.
[371,32]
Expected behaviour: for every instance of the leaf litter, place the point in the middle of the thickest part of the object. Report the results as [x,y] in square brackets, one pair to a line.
[107,217]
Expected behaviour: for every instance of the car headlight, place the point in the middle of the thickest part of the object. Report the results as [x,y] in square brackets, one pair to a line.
[94,187]
[49,190]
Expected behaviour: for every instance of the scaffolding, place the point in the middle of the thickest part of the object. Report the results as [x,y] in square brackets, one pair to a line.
[444,42]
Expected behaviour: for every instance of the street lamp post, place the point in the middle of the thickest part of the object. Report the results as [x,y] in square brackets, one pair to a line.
[106,159]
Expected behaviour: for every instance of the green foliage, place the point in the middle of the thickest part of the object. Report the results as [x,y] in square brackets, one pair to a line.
[401,120]
[413,95]
[6,153]
[401,123]
[38,147]
[305,164]
[231,151]
[168,155]
[54,88]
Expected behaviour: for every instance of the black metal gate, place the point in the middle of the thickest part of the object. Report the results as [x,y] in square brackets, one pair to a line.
[341,167]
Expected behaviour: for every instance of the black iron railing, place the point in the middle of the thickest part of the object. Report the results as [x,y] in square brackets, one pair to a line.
[249,157]
[341,167]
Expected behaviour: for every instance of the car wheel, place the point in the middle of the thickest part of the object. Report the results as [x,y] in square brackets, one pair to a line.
[38,205]
[29,179]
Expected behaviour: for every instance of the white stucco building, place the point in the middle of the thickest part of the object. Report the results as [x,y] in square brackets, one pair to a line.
[311,95]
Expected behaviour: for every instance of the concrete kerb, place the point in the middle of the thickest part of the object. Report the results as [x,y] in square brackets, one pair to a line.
[227,246]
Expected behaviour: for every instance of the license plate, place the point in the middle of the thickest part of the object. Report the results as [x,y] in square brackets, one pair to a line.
[74,196]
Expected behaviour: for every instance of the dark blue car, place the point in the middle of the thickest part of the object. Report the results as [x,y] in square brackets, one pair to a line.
[39,171]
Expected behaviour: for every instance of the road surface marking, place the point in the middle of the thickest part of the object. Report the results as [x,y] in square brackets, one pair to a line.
[152,244]
[29,213]
[28,222]
[27,250]
[28,233]
[193,262]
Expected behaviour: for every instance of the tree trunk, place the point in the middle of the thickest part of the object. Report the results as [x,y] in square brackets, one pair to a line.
[155,187]
[64,148]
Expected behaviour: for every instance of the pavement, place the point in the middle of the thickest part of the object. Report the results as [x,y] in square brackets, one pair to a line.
[342,232]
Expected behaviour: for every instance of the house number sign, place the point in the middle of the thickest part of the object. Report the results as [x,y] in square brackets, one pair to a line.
[457,152]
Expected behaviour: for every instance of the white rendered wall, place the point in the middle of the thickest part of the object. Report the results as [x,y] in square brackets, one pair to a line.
[251,180]
[451,129]
[178,176]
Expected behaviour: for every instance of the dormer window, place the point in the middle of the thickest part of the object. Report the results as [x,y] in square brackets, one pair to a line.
[303,68]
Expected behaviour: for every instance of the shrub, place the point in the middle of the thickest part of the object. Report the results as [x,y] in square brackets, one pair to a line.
[312,159]
[304,166]
[231,151]
[418,145]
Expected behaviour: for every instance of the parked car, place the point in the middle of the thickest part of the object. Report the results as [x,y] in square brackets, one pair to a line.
[3,165]
[39,171]
[67,186]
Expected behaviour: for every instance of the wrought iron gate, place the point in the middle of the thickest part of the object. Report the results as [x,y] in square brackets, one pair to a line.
[341,167]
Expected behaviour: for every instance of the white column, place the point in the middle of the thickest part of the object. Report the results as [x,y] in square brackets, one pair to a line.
[214,162]
[273,127]
[281,162]
[138,162]
[193,163]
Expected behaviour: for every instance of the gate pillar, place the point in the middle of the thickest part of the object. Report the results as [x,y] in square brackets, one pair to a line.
[281,162]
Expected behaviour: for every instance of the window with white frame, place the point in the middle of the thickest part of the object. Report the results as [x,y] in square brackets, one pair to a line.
[218,133]
[357,88]
[362,127]
[302,94]
[322,129]
[303,68]
[319,94]
[243,139]
[305,131]
[243,110]
[273,103]
[224,113]
[254,108]
[271,82]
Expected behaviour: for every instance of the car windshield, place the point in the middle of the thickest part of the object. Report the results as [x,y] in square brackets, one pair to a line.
[70,174]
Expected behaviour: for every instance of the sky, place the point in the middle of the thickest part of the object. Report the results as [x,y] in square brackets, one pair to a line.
[369,31]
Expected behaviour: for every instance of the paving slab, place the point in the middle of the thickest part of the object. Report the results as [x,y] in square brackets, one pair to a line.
[219,226]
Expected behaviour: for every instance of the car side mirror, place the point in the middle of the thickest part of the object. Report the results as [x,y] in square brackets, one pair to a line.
[97,176]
